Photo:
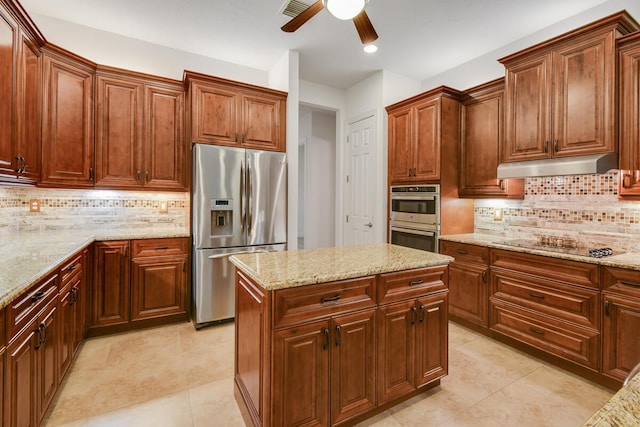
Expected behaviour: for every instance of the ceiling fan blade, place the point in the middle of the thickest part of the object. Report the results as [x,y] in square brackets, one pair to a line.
[365,28]
[304,16]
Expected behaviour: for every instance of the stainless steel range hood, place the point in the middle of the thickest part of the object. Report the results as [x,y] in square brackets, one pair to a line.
[578,165]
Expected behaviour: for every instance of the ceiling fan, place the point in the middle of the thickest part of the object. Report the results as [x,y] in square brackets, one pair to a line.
[341,9]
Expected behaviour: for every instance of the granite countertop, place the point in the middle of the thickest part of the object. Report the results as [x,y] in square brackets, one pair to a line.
[628,260]
[623,409]
[279,270]
[29,256]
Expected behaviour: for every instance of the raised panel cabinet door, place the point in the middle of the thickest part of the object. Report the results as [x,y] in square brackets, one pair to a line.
[119,133]
[528,97]
[8,53]
[66,328]
[29,107]
[629,93]
[20,379]
[431,339]
[584,101]
[214,115]
[620,339]
[400,151]
[396,350]
[67,130]
[2,396]
[427,137]
[353,365]
[111,293]
[164,151]
[469,292]
[158,287]
[262,122]
[47,360]
[301,375]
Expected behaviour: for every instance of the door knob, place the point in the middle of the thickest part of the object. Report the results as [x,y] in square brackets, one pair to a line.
[369,225]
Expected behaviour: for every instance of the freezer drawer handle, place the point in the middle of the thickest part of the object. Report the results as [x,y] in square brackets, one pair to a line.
[259,251]
[336,297]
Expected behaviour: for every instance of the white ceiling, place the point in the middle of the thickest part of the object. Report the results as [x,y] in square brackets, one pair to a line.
[418,38]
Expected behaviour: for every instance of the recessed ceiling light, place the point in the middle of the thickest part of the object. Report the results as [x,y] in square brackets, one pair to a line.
[370,48]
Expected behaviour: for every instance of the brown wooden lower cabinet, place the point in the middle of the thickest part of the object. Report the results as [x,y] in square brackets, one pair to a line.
[139,282]
[318,359]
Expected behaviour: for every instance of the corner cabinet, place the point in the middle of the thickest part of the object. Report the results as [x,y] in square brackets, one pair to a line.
[67,129]
[224,112]
[419,129]
[560,94]
[481,144]
[324,354]
[629,96]
[139,283]
[139,131]
[21,92]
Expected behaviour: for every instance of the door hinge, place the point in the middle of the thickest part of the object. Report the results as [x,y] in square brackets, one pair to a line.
[347,139]
[347,179]
[347,218]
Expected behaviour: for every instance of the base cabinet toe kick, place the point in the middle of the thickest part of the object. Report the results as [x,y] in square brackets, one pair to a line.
[340,352]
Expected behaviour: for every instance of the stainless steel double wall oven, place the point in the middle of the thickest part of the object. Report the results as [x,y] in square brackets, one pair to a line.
[415,216]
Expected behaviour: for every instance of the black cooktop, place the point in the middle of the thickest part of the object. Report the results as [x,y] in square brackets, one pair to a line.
[579,251]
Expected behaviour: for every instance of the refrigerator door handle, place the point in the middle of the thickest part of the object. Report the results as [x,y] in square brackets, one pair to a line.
[242,192]
[249,191]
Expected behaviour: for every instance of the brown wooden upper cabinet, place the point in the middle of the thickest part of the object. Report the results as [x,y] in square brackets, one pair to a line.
[418,128]
[224,112]
[20,91]
[139,131]
[560,94]
[629,93]
[67,131]
[481,141]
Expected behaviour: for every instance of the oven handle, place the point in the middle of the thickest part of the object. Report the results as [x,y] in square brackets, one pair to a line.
[411,197]
[414,231]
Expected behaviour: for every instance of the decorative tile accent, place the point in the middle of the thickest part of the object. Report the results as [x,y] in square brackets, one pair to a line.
[581,207]
[62,209]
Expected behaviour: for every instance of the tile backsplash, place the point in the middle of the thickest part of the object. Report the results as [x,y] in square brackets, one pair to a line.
[62,209]
[581,207]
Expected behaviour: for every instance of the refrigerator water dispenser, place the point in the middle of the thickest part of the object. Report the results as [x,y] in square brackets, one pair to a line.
[221,217]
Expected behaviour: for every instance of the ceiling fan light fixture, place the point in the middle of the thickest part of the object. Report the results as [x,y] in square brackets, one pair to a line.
[344,9]
[370,48]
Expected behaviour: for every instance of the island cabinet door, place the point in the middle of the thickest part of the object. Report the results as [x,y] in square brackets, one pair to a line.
[301,375]
[353,370]
[396,350]
[431,339]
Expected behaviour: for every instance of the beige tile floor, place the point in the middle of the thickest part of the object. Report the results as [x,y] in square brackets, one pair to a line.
[175,376]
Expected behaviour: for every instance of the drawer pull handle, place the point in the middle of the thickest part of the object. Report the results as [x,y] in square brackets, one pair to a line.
[534,295]
[338,335]
[536,331]
[336,297]
[462,252]
[633,285]
[37,296]
[325,332]
[416,282]
[162,248]
[72,267]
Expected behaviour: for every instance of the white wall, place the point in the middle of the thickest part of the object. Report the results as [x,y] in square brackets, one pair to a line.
[487,67]
[114,50]
[293,100]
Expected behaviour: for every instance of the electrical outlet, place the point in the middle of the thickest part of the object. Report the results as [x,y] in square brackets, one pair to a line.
[497,214]
[164,206]
[34,205]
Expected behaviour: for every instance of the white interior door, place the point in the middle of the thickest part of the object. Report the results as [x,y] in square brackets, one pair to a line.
[360,194]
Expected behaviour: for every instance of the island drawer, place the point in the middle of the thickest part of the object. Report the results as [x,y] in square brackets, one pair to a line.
[160,247]
[312,302]
[571,303]
[621,281]
[406,284]
[574,272]
[464,252]
[574,343]
[29,304]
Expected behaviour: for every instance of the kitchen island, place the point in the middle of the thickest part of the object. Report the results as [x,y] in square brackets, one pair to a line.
[333,336]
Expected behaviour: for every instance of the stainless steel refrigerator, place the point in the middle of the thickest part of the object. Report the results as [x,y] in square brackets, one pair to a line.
[239,206]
